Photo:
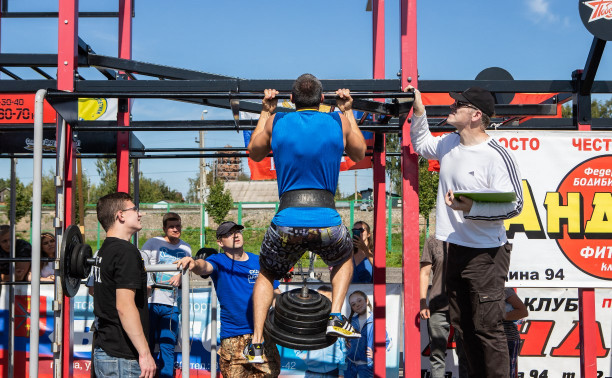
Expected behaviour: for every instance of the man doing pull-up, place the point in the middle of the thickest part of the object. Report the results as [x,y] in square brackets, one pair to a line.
[308,147]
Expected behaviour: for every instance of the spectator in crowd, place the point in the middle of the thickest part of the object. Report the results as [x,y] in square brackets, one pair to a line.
[435,310]
[515,312]
[23,249]
[363,253]
[120,294]
[326,362]
[47,246]
[479,252]
[163,309]
[234,273]
[359,359]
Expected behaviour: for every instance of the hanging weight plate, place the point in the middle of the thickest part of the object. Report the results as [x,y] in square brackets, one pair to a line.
[289,304]
[303,342]
[315,324]
[304,314]
[295,297]
[71,240]
[309,329]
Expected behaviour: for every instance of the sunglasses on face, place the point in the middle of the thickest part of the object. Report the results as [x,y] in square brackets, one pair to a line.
[461,104]
[135,208]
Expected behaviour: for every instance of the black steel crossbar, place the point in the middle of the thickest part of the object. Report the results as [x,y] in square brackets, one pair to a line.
[62,95]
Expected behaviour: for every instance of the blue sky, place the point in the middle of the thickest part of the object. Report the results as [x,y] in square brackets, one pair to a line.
[270,39]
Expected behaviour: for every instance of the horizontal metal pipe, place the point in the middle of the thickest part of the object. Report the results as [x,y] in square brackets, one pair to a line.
[210,95]
[25,259]
[8,283]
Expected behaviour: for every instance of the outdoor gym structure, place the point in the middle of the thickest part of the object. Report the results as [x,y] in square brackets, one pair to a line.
[115,139]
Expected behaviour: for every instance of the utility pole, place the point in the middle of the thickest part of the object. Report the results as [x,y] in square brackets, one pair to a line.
[355,185]
[202,188]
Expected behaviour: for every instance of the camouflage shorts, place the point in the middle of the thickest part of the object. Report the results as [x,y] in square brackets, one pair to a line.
[283,246]
[232,363]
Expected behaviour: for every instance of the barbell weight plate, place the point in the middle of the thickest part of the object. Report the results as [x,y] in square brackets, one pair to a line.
[71,239]
[304,314]
[80,268]
[304,342]
[299,330]
[301,323]
[286,302]
[295,297]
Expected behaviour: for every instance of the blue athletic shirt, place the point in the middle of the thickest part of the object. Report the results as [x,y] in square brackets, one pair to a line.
[234,281]
[308,147]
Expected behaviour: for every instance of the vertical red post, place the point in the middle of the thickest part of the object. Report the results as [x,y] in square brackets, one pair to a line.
[380,224]
[123,112]
[67,48]
[588,333]
[410,199]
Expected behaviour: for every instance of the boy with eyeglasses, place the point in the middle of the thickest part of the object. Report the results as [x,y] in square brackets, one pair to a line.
[120,294]
[163,309]
[478,250]
[234,273]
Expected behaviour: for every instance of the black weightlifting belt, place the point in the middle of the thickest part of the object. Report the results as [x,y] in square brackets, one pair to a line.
[307,198]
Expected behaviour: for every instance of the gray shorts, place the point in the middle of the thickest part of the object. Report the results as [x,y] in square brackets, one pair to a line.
[282,246]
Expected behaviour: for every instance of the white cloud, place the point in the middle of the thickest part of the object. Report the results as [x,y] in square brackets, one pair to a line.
[539,10]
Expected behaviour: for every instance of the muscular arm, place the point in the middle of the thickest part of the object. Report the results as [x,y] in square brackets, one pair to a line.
[355,145]
[130,321]
[261,139]
[354,142]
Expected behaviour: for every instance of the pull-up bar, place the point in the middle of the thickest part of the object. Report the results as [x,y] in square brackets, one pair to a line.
[63,95]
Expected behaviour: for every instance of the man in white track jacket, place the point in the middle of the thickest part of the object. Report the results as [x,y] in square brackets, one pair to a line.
[479,253]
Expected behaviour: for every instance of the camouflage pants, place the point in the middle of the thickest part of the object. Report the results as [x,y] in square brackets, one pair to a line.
[233,364]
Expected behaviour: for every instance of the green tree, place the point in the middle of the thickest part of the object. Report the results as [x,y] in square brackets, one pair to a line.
[156,190]
[428,188]
[428,181]
[150,190]
[23,198]
[599,109]
[219,202]
[194,184]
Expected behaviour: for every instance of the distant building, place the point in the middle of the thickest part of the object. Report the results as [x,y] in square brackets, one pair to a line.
[253,191]
[228,168]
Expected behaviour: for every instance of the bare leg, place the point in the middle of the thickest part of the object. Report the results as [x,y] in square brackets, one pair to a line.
[263,294]
[340,279]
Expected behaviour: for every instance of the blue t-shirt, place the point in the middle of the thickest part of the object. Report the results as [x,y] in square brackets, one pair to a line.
[362,273]
[308,147]
[234,281]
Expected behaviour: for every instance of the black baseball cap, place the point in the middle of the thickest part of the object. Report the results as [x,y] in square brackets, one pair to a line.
[226,227]
[479,97]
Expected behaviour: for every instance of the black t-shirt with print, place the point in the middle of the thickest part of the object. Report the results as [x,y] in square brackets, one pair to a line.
[118,265]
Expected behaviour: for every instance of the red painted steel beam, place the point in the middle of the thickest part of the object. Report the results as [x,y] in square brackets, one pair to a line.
[123,113]
[410,199]
[67,52]
[380,224]
[589,332]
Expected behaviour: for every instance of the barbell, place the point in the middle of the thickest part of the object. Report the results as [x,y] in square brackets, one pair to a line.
[76,260]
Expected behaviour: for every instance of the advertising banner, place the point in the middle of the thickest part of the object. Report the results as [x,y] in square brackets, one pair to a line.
[549,336]
[292,362]
[563,237]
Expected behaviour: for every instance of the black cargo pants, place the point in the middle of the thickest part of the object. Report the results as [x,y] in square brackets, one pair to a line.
[475,279]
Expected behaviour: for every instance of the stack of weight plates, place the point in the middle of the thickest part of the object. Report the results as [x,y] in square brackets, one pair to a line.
[300,322]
